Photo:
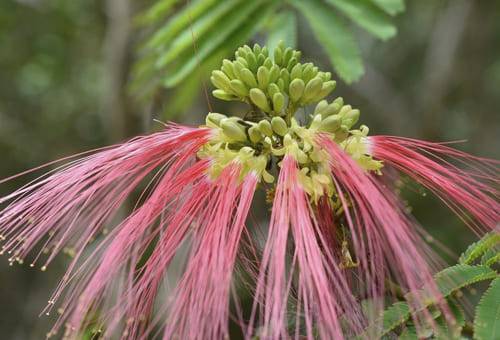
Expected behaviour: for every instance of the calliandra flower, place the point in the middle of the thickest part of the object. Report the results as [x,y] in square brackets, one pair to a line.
[338,233]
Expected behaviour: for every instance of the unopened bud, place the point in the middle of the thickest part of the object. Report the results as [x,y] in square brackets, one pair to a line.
[259,99]
[278,102]
[265,127]
[232,130]
[279,126]
[254,134]
[330,124]
[296,89]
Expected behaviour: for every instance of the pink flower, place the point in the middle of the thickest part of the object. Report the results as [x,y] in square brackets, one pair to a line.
[337,233]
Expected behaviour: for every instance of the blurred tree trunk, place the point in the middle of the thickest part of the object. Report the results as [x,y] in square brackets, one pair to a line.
[116,109]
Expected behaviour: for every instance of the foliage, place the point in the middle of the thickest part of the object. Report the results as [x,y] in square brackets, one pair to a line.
[185,39]
[449,281]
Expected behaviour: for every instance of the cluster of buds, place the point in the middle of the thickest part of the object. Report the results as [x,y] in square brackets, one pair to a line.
[276,88]
[275,85]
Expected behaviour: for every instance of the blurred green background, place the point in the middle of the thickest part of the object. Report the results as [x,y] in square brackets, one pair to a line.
[64,70]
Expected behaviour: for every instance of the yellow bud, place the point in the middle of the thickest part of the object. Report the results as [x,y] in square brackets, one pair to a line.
[213,119]
[259,98]
[254,134]
[223,95]
[263,77]
[279,126]
[296,89]
[239,88]
[330,124]
[248,77]
[312,89]
[278,102]
[233,130]
[265,127]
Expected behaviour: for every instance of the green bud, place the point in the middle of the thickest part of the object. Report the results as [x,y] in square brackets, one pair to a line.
[285,75]
[327,88]
[265,51]
[260,59]
[320,107]
[296,72]
[278,102]
[268,63]
[332,109]
[213,119]
[256,49]
[259,99]
[351,118]
[254,134]
[228,68]
[345,110]
[242,61]
[237,67]
[330,124]
[220,80]
[265,128]
[291,63]
[339,101]
[252,61]
[312,89]
[308,72]
[223,95]
[287,55]
[240,53]
[297,55]
[239,88]
[278,56]
[296,89]
[263,77]
[279,126]
[281,84]
[248,77]
[274,73]
[233,130]
[272,89]
[247,49]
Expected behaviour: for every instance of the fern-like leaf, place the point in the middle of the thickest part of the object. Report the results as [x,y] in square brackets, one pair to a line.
[477,249]
[334,36]
[391,7]
[487,319]
[367,16]
[447,281]
[215,38]
[490,257]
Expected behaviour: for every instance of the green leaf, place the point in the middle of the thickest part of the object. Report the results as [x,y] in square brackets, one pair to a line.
[490,257]
[282,27]
[200,27]
[447,281]
[391,7]
[367,16]
[249,17]
[156,12]
[461,275]
[187,16]
[487,319]
[451,331]
[334,36]
[478,248]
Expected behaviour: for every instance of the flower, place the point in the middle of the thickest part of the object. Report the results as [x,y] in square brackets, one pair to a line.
[338,233]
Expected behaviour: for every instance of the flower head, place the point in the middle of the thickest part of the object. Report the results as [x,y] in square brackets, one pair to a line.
[337,234]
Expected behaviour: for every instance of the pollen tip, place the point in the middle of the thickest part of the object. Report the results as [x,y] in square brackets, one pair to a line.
[43,268]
